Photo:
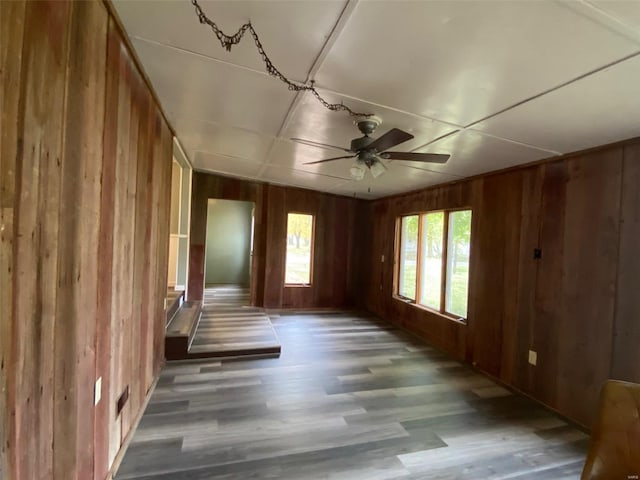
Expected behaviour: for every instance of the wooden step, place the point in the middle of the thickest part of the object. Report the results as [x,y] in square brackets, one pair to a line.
[181,330]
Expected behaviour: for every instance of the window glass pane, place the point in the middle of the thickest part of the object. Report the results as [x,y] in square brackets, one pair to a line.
[408,257]
[299,248]
[458,248]
[431,259]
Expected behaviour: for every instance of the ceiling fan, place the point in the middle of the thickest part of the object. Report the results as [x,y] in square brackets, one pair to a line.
[371,151]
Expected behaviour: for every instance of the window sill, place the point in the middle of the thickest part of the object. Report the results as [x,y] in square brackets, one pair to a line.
[453,318]
[297,285]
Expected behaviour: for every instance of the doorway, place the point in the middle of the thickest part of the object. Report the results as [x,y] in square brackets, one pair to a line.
[228,252]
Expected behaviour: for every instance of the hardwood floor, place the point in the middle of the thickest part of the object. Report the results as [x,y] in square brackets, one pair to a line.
[349,398]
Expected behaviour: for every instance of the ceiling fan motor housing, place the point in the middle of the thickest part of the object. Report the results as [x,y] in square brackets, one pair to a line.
[368,125]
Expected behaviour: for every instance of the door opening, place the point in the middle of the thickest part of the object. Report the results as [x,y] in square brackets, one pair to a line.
[228,252]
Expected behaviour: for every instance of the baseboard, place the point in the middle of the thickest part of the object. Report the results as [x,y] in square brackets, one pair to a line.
[125,445]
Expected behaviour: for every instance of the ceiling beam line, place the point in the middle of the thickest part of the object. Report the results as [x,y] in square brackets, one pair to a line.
[557,87]
[263,73]
[335,32]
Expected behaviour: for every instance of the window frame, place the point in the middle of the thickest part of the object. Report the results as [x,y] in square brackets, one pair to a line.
[311,252]
[398,253]
[443,278]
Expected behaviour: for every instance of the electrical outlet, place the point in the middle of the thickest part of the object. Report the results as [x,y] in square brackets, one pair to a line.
[533,357]
[97,391]
[382,259]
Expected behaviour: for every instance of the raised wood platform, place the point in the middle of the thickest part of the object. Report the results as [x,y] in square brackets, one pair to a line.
[232,332]
[181,330]
[223,326]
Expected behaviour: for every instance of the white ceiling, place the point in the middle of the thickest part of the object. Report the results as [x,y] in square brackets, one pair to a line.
[492,83]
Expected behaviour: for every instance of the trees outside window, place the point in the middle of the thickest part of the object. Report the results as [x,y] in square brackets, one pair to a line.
[432,260]
[299,252]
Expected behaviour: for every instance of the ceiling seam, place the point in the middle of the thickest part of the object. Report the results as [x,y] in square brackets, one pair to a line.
[205,57]
[624,30]
[393,109]
[516,142]
[335,32]
[557,87]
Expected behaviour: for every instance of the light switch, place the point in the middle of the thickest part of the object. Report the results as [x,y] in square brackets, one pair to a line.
[533,357]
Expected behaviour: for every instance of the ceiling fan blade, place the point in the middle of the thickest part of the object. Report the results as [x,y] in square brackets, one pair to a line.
[393,137]
[329,160]
[318,144]
[417,157]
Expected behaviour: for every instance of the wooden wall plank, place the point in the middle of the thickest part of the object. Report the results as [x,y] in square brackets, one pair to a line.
[103,411]
[524,373]
[12,18]
[121,284]
[475,273]
[152,269]
[155,246]
[163,210]
[77,243]
[259,247]
[591,233]
[496,248]
[625,363]
[548,289]
[131,321]
[134,341]
[38,183]
[142,238]
[276,238]
[72,105]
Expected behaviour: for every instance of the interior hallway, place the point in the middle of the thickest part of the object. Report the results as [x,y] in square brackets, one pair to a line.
[349,398]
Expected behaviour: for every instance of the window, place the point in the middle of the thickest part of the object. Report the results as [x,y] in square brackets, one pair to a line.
[432,260]
[299,253]
[408,256]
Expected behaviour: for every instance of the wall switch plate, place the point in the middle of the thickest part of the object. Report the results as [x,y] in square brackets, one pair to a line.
[97,391]
[382,259]
[533,357]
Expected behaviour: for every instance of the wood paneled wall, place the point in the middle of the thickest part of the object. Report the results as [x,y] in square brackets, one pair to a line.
[85,173]
[575,306]
[204,187]
[334,251]
[336,242]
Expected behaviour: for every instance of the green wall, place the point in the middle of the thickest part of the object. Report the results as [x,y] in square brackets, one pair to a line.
[228,242]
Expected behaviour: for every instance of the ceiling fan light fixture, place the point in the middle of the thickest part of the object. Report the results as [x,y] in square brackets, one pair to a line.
[357,172]
[377,169]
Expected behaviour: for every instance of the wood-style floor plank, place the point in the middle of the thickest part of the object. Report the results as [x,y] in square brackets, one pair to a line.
[349,398]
